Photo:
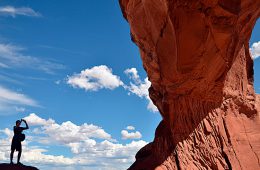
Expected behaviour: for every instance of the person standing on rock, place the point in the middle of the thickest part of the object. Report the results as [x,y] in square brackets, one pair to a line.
[17,139]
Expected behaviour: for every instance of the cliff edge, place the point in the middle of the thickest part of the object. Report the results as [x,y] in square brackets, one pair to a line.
[196,55]
[16,167]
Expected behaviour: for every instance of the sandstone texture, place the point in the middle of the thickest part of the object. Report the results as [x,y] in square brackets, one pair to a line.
[16,167]
[196,55]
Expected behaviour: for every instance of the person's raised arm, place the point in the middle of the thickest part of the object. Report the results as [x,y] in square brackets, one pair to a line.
[27,127]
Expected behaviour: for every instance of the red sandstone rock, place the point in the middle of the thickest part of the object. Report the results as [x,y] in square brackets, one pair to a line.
[196,54]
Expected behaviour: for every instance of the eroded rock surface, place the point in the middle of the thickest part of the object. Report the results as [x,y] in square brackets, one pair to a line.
[196,55]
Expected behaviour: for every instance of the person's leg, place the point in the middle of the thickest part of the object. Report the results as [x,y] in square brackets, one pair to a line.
[19,153]
[12,151]
[19,156]
[11,156]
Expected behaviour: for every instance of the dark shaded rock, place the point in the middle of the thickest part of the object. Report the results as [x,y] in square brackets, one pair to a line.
[16,167]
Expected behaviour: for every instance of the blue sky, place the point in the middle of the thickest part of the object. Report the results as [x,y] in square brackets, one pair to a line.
[73,72]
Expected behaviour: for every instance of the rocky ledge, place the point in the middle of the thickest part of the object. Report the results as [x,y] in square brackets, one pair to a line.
[16,167]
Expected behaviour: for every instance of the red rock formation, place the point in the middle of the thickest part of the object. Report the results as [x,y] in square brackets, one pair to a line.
[196,54]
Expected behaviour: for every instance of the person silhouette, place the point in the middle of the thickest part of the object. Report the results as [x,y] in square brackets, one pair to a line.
[17,139]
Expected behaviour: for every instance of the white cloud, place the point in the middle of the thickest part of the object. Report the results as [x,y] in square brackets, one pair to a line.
[139,87]
[33,155]
[86,151]
[132,73]
[255,50]
[151,106]
[20,109]
[3,65]
[10,80]
[34,120]
[11,101]
[107,149]
[12,57]
[131,135]
[67,132]
[12,11]
[130,128]
[7,132]
[95,78]
[101,77]
[14,97]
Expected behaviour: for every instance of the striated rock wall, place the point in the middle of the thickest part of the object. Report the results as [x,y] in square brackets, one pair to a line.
[196,54]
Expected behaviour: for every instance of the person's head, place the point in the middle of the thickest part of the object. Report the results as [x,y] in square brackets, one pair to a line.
[18,123]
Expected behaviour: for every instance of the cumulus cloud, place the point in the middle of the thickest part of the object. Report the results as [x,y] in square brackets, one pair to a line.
[139,87]
[91,147]
[255,50]
[33,155]
[130,128]
[35,120]
[101,77]
[13,11]
[12,57]
[67,132]
[151,106]
[133,74]
[11,101]
[95,78]
[131,135]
